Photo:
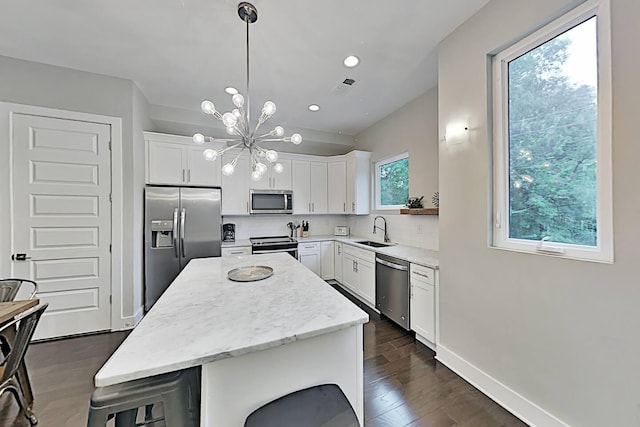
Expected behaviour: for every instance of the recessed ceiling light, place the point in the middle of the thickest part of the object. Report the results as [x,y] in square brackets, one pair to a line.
[231,90]
[314,107]
[351,61]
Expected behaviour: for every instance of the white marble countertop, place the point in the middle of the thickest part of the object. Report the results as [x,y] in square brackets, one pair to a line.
[203,317]
[412,254]
[238,242]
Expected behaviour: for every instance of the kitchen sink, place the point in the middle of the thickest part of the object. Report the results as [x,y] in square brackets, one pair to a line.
[374,244]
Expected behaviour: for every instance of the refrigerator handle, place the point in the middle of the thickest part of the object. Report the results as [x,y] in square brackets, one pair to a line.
[182,219]
[175,231]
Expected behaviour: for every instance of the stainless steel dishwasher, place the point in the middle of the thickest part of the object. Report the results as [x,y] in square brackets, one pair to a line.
[392,289]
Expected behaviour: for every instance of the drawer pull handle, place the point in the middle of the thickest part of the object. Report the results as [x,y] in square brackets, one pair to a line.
[422,274]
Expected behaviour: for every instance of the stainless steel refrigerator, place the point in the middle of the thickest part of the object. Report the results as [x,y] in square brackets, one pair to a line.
[180,224]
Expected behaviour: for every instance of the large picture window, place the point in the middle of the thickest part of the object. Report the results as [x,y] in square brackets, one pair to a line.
[392,182]
[552,145]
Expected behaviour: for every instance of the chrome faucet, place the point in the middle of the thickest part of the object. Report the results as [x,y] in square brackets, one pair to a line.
[386,237]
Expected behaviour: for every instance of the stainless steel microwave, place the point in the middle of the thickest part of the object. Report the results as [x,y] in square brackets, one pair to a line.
[271,202]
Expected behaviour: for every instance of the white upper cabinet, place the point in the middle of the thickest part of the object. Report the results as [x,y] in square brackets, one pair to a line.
[309,187]
[337,187]
[176,160]
[275,181]
[320,185]
[235,188]
[358,181]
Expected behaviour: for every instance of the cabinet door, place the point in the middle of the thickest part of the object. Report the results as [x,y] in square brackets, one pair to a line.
[338,261]
[311,261]
[318,187]
[422,310]
[327,261]
[235,188]
[282,181]
[300,171]
[349,275]
[351,186]
[167,163]
[201,171]
[367,280]
[337,187]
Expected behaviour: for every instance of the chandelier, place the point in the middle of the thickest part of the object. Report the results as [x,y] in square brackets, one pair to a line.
[237,123]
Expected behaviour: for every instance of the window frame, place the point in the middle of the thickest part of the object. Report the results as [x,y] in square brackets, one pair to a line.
[376,180]
[603,251]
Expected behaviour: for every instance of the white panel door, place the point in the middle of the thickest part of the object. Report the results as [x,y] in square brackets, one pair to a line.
[61,218]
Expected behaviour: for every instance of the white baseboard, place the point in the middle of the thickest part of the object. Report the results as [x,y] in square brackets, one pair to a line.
[137,317]
[513,402]
[426,342]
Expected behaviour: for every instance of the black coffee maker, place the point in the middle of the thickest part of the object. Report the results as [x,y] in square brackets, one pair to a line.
[228,232]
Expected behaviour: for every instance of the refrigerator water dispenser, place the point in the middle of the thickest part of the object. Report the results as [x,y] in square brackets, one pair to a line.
[161,233]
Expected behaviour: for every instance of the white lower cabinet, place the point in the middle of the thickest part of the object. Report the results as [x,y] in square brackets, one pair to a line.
[423,302]
[337,261]
[327,264]
[309,256]
[359,272]
[236,251]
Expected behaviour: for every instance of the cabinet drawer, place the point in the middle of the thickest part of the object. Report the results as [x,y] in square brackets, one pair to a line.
[423,274]
[309,248]
[360,253]
[236,251]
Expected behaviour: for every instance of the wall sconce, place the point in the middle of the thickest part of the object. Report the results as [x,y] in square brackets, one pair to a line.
[456,132]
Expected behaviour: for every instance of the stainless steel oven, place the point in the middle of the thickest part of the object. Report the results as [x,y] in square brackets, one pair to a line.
[270,245]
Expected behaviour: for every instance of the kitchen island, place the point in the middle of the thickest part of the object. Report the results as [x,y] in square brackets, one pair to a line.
[256,341]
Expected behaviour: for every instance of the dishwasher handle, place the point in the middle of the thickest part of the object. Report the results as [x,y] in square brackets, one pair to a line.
[392,265]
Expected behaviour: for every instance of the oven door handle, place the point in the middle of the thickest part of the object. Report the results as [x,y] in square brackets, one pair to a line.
[273,251]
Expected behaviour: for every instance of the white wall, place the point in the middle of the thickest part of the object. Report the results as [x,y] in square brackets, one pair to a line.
[414,127]
[559,332]
[32,83]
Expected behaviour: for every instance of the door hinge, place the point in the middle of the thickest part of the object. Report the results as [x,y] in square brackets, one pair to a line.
[110,197]
[109,145]
[110,299]
[109,247]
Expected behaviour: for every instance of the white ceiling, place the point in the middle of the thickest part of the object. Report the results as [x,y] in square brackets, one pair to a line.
[182,51]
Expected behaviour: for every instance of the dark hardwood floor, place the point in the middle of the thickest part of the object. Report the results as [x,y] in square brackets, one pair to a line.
[403,383]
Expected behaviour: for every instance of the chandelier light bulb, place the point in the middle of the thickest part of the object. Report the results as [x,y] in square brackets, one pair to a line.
[261,167]
[231,90]
[296,138]
[207,107]
[238,100]
[278,168]
[210,155]
[228,169]
[236,113]
[198,138]
[269,108]
[256,175]
[272,156]
[229,119]
[279,130]
[231,130]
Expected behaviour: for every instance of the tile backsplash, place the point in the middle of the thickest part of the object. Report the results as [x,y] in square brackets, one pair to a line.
[412,230]
[276,225]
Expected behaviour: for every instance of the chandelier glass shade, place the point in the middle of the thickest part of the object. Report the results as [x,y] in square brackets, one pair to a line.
[237,122]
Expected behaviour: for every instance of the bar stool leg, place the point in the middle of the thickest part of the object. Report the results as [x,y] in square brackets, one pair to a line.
[126,418]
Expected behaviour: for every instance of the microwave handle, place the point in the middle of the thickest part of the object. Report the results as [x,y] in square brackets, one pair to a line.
[286,202]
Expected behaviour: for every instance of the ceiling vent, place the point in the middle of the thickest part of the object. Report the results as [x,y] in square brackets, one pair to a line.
[344,87]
